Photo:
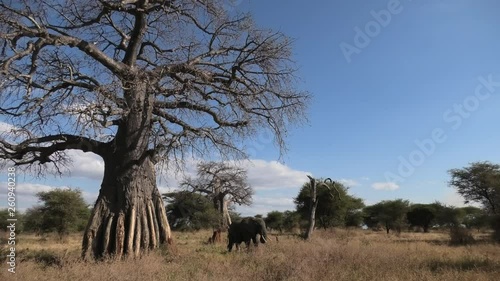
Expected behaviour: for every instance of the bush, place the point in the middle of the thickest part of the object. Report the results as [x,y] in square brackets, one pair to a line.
[45,258]
[460,236]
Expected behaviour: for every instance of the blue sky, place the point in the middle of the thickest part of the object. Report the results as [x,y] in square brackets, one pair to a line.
[420,78]
[368,112]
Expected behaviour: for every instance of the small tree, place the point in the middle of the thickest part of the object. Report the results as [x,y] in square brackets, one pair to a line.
[291,220]
[354,218]
[63,211]
[421,215]
[391,214]
[223,183]
[448,216]
[275,220]
[190,211]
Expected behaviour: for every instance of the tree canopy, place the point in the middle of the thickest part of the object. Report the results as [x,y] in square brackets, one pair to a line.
[190,211]
[421,215]
[479,182]
[62,211]
[390,214]
[275,220]
[72,70]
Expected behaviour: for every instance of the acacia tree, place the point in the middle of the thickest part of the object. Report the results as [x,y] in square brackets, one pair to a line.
[421,215]
[137,82]
[223,183]
[391,214]
[479,182]
[190,211]
[63,210]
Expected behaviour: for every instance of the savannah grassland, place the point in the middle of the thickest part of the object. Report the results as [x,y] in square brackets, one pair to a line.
[331,255]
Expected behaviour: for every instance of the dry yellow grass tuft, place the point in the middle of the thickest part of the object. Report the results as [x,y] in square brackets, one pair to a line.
[331,255]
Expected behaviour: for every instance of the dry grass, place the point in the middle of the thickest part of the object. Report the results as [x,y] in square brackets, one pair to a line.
[331,255]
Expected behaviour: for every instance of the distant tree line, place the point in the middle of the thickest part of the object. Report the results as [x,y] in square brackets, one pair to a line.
[64,210]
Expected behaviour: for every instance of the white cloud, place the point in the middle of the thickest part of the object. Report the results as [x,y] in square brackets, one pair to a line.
[262,175]
[455,199]
[385,185]
[349,182]
[86,165]
[365,178]
[268,175]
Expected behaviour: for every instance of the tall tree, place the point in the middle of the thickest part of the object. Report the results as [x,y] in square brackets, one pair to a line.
[224,183]
[479,182]
[137,82]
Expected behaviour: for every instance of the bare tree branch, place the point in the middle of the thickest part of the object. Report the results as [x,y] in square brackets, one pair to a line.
[211,81]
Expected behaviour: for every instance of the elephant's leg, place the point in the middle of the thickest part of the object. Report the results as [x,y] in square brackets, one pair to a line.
[254,240]
[230,245]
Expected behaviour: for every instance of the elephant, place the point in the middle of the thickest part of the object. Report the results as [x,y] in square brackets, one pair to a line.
[246,230]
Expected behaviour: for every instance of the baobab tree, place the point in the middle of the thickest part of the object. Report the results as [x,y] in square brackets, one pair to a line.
[139,83]
[223,183]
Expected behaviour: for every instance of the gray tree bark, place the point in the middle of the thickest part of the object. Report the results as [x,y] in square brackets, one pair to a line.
[129,215]
[312,209]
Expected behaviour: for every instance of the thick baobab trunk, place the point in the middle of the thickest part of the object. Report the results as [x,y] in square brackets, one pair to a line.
[129,216]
